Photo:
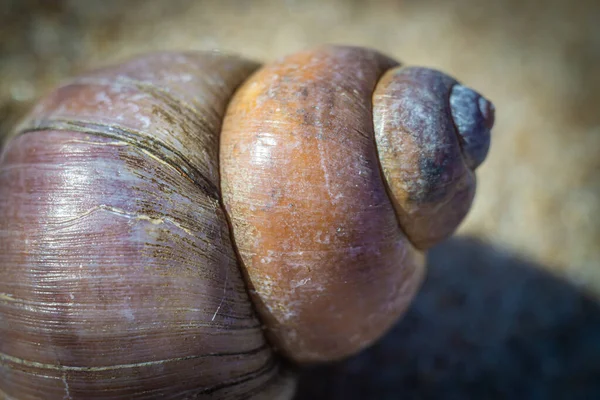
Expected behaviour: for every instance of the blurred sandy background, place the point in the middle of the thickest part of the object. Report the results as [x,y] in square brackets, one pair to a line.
[510,308]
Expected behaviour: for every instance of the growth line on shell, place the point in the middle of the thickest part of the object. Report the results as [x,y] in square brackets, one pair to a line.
[4,358]
[67,392]
[224,294]
[126,214]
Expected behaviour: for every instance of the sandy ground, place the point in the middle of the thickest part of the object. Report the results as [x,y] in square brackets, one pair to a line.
[510,306]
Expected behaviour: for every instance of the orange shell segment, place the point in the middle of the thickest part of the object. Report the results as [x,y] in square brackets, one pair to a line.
[327,264]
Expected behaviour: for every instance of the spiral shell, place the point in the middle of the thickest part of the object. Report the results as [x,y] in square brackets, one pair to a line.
[170,226]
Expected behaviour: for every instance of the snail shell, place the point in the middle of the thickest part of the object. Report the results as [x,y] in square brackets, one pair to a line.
[142,258]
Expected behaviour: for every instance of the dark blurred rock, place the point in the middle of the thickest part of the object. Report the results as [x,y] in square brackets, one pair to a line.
[487,325]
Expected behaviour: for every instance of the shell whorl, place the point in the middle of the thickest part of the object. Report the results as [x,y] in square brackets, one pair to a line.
[432,132]
[118,277]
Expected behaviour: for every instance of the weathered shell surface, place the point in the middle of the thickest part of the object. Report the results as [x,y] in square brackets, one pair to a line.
[328,265]
[118,277]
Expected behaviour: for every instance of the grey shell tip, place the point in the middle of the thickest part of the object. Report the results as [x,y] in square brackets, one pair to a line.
[473,117]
